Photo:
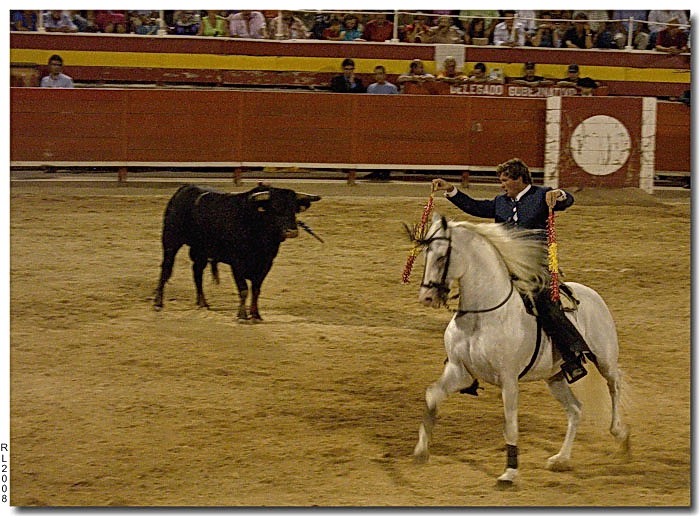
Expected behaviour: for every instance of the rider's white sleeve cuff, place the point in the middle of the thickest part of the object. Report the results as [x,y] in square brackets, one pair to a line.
[451,193]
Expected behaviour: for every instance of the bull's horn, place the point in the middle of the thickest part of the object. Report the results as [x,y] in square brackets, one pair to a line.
[307,197]
[260,196]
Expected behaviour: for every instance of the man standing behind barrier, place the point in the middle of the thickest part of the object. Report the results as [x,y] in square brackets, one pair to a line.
[347,83]
[56,79]
[526,206]
[381,86]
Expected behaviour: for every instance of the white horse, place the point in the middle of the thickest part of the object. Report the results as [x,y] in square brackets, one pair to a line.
[493,338]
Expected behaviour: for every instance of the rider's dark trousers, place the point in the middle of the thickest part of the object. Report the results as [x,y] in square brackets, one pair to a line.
[560,329]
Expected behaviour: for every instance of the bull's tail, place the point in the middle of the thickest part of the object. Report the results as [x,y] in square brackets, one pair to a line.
[215,270]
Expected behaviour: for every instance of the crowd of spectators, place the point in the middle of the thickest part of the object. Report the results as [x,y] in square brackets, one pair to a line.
[604,29]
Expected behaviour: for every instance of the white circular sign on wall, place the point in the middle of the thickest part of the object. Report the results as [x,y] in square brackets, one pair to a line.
[600,145]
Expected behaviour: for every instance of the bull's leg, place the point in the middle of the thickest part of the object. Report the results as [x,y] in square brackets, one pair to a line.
[166,270]
[199,263]
[242,293]
[561,391]
[454,377]
[254,312]
[509,394]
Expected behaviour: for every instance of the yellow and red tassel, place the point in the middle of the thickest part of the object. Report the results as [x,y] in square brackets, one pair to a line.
[553,257]
[418,234]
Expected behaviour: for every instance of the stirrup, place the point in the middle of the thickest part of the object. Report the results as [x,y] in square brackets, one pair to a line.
[573,371]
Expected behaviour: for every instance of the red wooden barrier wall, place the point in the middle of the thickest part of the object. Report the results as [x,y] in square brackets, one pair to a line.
[158,126]
[84,126]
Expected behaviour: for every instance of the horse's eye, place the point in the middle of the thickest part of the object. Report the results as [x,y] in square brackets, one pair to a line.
[441,260]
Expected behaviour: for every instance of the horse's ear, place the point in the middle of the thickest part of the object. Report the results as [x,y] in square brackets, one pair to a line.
[444,223]
[436,217]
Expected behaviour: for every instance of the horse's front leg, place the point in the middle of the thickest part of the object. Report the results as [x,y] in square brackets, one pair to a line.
[454,377]
[562,392]
[509,393]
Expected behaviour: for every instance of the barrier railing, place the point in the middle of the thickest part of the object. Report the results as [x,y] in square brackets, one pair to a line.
[399,19]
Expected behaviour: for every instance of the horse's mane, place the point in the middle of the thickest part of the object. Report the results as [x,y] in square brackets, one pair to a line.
[523,252]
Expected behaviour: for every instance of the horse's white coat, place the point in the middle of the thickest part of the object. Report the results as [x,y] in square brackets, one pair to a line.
[495,346]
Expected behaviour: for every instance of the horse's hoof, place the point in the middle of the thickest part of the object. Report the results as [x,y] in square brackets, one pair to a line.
[157,308]
[507,480]
[421,457]
[556,464]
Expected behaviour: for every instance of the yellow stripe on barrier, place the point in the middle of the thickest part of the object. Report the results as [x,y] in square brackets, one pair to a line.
[324,64]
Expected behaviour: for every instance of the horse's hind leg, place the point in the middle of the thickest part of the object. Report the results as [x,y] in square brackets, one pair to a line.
[618,428]
[562,392]
[454,377]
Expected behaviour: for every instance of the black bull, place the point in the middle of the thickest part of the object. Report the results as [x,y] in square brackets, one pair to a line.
[243,230]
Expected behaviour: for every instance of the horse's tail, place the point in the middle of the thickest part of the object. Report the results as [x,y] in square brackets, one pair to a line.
[626,393]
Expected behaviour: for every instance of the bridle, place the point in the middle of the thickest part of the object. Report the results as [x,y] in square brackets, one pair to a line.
[442,289]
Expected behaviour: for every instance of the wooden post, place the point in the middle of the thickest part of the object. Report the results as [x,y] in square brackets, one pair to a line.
[237,172]
[465,179]
[352,173]
[121,174]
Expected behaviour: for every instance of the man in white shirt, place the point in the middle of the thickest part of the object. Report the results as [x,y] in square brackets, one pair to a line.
[248,24]
[509,34]
[56,79]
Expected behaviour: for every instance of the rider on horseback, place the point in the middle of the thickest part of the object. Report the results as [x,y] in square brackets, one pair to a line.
[525,205]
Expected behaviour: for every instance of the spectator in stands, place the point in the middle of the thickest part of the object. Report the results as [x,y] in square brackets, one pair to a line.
[334,31]
[561,26]
[248,24]
[572,77]
[417,32]
[672,39]
[528,22]
[144,22]
[351,28]
[111,21]
[605,37]
[186,23]
[56,79]
[580,35]
[287,26]
[476,32]
[449,73]
[58,21]
[444,32]
[23,20]
[213,25]
[320,23]
[508,33]
[490,19]
[379,29]
[657,20]
[347,83]
[640,38]
[574,80]
[546,35]
[478,74]
[416,75]
[596,19]
[529,77]
[381,86]
[82,22]
[586,86]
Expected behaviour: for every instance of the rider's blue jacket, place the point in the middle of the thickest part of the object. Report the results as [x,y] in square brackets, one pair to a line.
[529,212]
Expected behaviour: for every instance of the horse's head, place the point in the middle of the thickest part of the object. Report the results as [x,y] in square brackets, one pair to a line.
[440,269]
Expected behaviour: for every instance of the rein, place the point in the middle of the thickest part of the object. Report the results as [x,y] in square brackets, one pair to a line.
[499,305]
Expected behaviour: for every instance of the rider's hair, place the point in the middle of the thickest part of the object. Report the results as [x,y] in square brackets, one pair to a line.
[515,168]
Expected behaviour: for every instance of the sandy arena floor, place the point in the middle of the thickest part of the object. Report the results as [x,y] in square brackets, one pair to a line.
[113,403]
